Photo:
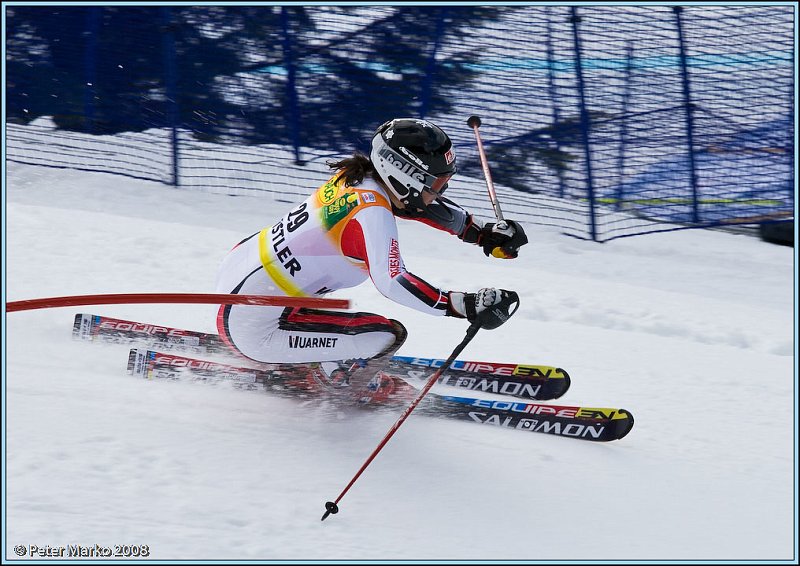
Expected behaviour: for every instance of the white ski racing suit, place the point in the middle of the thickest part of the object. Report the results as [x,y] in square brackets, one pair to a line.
[337,238]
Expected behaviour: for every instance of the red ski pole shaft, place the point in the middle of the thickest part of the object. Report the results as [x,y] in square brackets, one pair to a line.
[474,122]
[331,507]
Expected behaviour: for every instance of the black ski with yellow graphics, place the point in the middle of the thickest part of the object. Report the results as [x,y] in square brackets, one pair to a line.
[530,382]
[303,381]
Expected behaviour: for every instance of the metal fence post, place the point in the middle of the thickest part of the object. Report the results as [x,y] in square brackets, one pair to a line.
[585,124]
[623,129]
[90,67]
[687,102]
[427,81]
[171,86]
[293,118]
[551,87]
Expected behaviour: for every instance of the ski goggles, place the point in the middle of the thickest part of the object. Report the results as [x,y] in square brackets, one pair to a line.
[439,185]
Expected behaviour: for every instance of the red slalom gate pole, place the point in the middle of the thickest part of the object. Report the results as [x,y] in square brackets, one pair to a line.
[332,507]
[203,298]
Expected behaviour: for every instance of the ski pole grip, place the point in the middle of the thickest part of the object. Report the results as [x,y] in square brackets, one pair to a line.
[498,314]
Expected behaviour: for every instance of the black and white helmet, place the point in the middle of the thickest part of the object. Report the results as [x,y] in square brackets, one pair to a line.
[413,156]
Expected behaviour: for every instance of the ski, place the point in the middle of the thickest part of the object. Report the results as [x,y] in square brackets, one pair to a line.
[532,382]
[152,364]
[299,380]
[587,423]
[118,331]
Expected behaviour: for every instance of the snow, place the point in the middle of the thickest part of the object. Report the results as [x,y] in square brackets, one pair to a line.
[692,331]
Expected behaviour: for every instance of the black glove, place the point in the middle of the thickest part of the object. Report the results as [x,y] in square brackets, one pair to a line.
[502,242]
[488,306]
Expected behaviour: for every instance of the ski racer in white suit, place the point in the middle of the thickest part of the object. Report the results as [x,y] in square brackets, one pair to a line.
[344,233]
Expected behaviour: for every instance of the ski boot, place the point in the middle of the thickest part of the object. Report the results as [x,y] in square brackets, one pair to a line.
[368,380]
[336,375]
[359,378]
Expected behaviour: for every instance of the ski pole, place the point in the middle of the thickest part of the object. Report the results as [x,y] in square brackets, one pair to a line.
[474,122]
[490,319]
[331,507]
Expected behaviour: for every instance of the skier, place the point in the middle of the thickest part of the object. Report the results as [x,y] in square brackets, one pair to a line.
[344,233]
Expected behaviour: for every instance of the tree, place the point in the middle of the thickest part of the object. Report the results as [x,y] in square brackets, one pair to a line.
[259,74]
[356,81]
[103,69]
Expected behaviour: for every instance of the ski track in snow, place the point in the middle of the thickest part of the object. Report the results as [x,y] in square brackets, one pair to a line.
[692,331]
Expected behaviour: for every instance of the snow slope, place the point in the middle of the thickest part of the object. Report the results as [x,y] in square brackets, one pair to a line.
[692,331]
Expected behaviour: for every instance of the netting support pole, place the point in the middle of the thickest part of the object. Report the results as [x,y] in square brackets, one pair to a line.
[553,94]
[430,71]
[171,86]
[687,103]
[291,85]
[623,129]
[585,124]
[90,67]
